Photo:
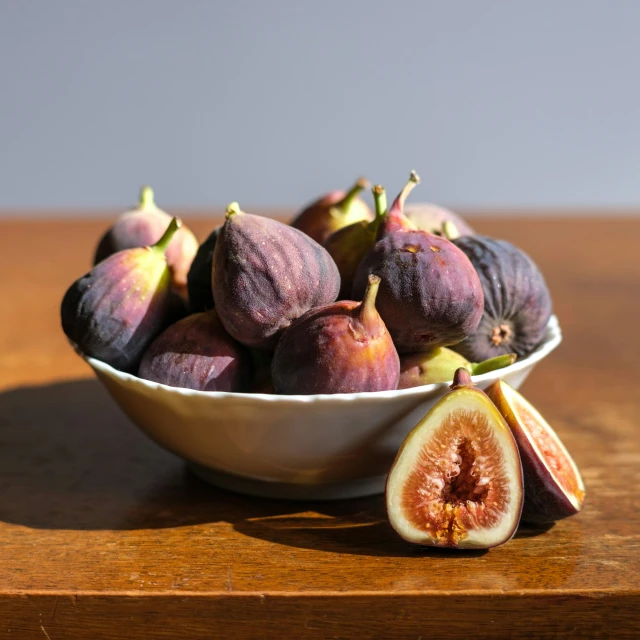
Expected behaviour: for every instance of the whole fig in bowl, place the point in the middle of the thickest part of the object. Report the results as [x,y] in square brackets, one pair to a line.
[199,276]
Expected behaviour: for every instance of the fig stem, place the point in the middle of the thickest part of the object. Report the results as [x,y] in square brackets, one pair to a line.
[163,243]
[368,314]
[146,198]
[232,210]
[380,200]
[449,230]
[398,204]
[345,203]
[497,362]
[461,378]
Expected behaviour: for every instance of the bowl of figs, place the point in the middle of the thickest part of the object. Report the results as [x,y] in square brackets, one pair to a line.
[350,352]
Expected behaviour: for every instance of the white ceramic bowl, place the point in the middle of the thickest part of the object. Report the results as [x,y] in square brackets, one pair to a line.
[294,447]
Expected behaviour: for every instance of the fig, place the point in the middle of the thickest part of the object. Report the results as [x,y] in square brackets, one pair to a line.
[114,311]
[553,487]
[347,246]
[261,378]
[333,211]
[342,347]
[199,276]
[265,275]
[197,353]
[457,479]
[517,303]
[430,295]
[141,227]
[439,365]
[432,218]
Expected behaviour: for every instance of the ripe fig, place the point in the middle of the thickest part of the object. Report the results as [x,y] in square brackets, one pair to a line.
[261,378]
[333,211]
[199,276]
[432,218]
[439,365]
[114,312]
[517,303]
[342,347]
[553,487]
[141,227]
[265,275]
[430,294]
[197,353]
[395,220]
[347,246]
[457,479]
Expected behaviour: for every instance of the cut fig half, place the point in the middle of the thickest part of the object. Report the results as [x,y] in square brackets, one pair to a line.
[553,486]
[457,479]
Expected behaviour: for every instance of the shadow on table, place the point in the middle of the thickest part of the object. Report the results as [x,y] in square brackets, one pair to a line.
[69,459]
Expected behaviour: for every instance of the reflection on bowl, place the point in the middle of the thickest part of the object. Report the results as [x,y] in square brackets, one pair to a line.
[295,447]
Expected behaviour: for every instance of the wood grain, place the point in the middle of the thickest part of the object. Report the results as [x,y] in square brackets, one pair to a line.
[104,535]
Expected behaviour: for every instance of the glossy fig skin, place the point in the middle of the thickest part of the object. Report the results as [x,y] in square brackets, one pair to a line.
[430,295]
[265,275]
[114,311]
[199,276]
[197,353]
[337,348]
[517,302]
[431,217]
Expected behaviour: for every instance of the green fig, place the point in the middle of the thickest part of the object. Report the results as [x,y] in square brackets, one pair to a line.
[114,311]
[439,365]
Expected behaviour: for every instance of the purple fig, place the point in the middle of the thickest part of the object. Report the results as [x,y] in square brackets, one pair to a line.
[197,353]
[265,275]
[430,294]
[141,227]
[114,312]
[342,347]
[199,276]
[333,211]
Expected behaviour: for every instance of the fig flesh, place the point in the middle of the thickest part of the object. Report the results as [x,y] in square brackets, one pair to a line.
[347,246]
[432,218]
[338,348]
[517,303]
[553,487]
[113,312]
[333,211]
[199,276]
[265,275]
[440,365]
[141,227]
[457,479]
[430,294]
[197,353]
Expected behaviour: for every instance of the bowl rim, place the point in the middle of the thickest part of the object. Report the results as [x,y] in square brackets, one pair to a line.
[553,337]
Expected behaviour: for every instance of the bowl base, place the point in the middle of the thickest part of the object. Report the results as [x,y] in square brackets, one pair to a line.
[289,491]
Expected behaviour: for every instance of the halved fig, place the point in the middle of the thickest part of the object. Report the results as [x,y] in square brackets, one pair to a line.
[457,479]
[553,487]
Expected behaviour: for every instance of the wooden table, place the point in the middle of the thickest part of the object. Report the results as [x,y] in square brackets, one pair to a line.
[104,535]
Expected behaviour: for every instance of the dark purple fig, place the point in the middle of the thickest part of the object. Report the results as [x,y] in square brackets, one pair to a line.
[199,276]
[439,365]
[333,211]
[342,347]
[265,275]
[141,227]
[457,479]
[553,487]
[517,303]
[114,312]
[432,218]
[430,294]
[261,365]
[197,353]
[347,246]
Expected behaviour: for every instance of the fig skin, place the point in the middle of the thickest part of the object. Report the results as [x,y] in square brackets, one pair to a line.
[545,500]
[342,347]
[265,275]
[432,217]
[197,353]
[517,302]
[347,246]
[199,276]
[142,227]
[114,311]
[454,490]
[333,211]
[440,365]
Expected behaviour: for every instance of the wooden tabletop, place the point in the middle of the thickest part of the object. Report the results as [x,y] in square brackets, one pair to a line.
[105,535]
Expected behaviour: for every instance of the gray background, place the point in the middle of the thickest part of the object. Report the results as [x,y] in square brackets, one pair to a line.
[495,103]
